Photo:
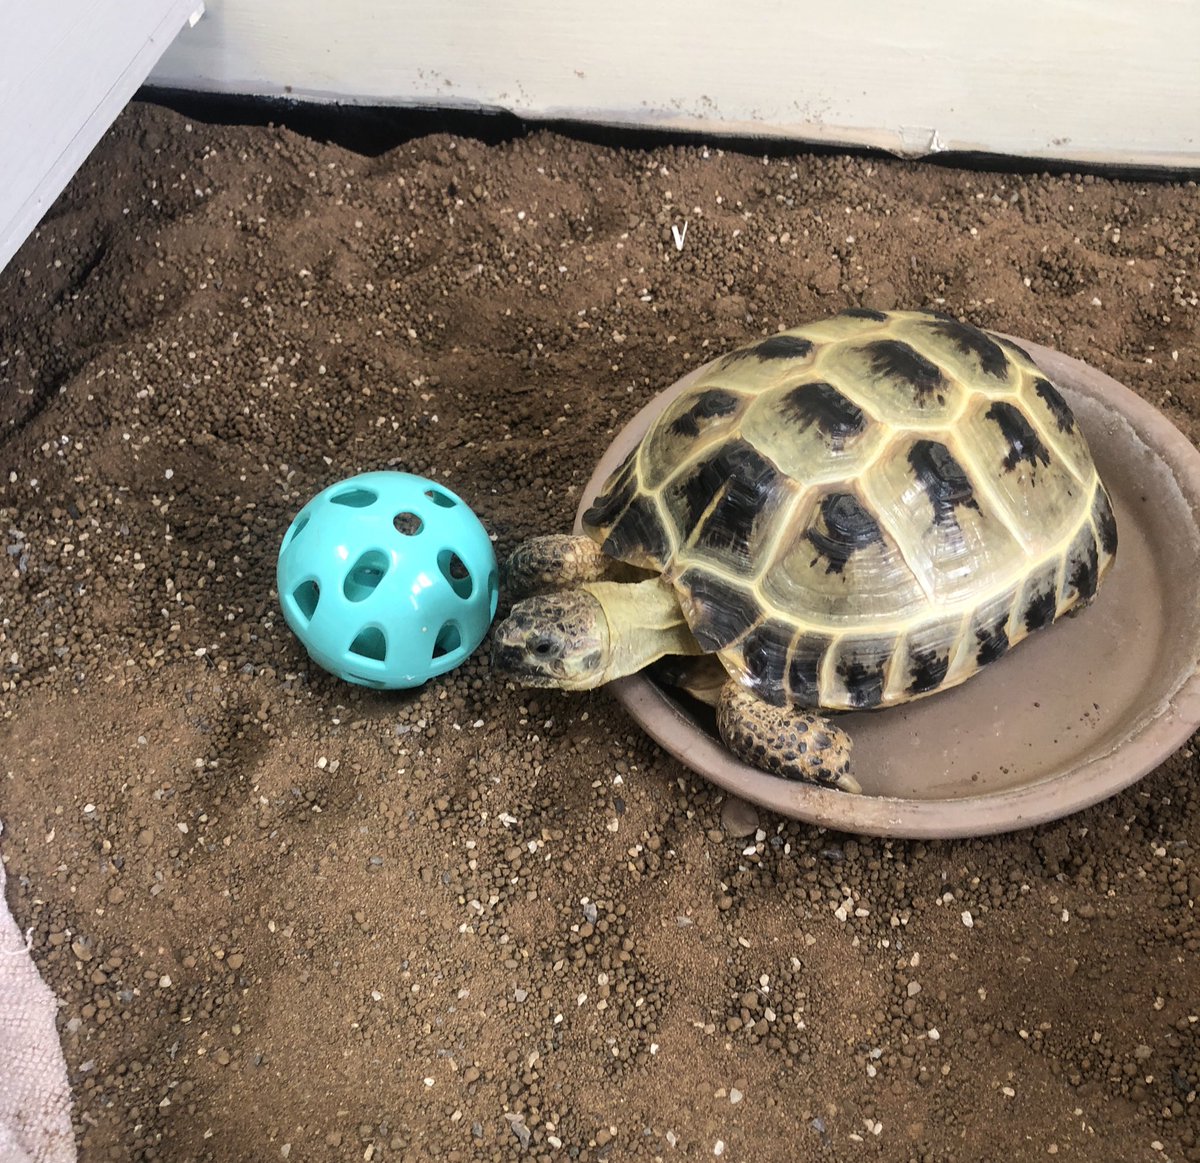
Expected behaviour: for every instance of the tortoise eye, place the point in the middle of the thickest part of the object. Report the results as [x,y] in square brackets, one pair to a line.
[542,647]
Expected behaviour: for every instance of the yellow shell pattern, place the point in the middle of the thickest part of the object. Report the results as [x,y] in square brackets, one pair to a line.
[866,509]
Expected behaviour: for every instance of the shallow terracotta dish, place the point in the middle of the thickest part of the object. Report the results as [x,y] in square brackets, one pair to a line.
[1076,713]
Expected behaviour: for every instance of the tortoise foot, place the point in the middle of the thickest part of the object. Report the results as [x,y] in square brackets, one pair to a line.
[784,741]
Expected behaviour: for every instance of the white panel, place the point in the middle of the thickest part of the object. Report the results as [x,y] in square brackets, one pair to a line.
[1091,80]
[67,69]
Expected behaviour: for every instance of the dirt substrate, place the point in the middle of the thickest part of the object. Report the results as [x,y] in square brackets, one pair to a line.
[291,919]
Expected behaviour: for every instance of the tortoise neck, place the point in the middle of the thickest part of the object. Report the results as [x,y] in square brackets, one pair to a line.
[645,624]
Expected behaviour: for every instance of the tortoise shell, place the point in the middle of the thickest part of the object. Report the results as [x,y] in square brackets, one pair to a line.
[864,510]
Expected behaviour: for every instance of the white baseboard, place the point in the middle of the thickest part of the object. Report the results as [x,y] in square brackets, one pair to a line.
[1098,81]
[66,70]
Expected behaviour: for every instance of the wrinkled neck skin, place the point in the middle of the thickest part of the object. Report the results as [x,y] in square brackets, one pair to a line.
[645,623]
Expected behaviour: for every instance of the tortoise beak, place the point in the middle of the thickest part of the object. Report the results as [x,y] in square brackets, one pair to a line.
[506,657]
[511,661]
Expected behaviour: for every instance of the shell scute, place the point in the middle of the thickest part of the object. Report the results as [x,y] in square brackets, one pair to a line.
[1082,569]
[723,499]
[805,668]
[987,355]
[698,420]
[782,346]
[837,565]
[1038,603]
[950,532]
[1023,444]
[711,404]
[813,431]
[1064,418]
[1104,520]
[719,610]
[927,670]
[859,671]
[821,404]
[893,379]
[764,654]
[930,650]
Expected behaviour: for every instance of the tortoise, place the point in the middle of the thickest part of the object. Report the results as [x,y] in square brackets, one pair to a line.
[847,515]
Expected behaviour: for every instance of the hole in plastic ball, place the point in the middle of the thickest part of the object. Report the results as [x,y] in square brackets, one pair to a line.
[297,529]
[306,595]
[449,639]
[366,573]
[494,591]
[454,570]
[370,643]
[355,498]
[408,523]
[440,498]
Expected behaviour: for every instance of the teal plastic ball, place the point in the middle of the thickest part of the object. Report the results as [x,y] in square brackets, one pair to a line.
[387,579]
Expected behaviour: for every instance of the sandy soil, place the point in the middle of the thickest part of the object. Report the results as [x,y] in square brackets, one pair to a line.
[290,919]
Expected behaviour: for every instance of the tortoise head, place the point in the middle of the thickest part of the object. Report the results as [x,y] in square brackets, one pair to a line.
[554,640]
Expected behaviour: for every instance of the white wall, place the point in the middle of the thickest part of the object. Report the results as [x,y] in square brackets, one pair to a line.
[67,68]
[1088,80]
[1098,81]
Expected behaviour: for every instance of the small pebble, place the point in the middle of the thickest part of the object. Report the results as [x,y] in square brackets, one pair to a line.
[738,817]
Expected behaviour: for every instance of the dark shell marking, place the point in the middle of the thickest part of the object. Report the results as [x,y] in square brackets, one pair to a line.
[1008,345]
[720,613]
[1106,522]
[943,479]
[804,670]
[723,496]
[619,491]
[848,528]
[823,405]
[898,361]
[927,670]
[640,536]
[1059,408]
[1024,444]
[1083,566]
[971,341]
[765,650]
[993,641]
[708,405]
[861,666]
[777,347]
[863,685]
[783,347]
[1041,610]
[864,313]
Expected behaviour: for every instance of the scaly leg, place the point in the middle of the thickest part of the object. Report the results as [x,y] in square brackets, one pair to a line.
[784,741]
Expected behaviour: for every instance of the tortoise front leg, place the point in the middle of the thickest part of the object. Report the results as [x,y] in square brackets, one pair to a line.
[557,561]
[784,741]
